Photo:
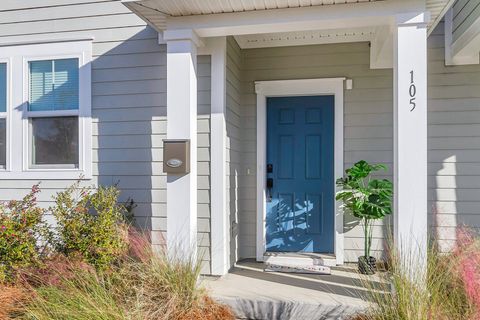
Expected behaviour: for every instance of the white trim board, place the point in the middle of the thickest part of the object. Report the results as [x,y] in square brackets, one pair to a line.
[309,37]
[285,88]
[219,221]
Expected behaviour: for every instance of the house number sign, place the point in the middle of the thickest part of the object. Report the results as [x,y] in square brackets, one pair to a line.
[412,91]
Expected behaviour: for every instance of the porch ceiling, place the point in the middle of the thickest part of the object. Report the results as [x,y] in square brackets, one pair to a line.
[155,12]
[177,8]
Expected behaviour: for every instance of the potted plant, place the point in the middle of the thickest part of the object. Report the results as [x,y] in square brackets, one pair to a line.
[368,200]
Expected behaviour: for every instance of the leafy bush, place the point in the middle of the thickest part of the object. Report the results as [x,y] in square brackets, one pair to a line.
[90,224]
[23,234]
[101,268]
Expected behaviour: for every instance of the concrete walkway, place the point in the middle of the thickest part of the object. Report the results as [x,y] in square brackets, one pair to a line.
[255,294]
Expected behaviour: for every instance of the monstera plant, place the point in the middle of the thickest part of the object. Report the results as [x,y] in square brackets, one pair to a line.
[366,199]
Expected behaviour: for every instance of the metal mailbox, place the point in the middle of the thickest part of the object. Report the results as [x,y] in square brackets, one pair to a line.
[176,156]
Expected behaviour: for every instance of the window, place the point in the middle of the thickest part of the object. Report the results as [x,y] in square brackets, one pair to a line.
[53,133]
[45,110]
[3,115]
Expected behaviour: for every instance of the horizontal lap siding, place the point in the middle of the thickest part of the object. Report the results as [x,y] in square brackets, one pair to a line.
[368,120]
[122,122]
[234,144]
[203,128]
[159,220]
[128,102]
[453,143]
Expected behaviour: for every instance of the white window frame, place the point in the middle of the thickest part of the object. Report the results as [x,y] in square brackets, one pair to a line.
[29,115]
[18,137]
[6,115]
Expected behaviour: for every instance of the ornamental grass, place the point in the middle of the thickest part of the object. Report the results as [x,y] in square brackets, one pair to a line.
[449,291]
[144,285]
[122,278]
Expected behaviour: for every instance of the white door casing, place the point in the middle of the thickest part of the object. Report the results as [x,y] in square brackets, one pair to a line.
[302,87]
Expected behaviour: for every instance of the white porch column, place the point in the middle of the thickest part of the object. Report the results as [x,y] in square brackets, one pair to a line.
[220,225]
[182,124]
[410,140]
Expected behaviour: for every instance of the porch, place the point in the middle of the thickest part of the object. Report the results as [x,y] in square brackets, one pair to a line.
[255,294]
[359,53]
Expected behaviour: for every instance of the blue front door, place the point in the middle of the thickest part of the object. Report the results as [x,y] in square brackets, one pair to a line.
[300,173]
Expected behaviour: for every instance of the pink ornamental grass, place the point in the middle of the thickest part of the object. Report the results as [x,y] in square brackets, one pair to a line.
[467,252]
[139,245]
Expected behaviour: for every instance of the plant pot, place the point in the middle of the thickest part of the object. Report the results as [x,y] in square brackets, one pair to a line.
[367,266]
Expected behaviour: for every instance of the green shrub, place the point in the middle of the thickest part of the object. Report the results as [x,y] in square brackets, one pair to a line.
[90,224]
[23,234]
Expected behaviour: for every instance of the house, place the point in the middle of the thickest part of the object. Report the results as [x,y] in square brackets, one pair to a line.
[262,104]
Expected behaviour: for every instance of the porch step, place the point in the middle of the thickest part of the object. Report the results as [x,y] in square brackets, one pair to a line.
[253,293]
[299,259]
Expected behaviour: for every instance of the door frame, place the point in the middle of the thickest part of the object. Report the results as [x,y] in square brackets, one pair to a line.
[289,88]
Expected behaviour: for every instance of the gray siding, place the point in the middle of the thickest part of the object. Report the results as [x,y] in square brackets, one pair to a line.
[368,120]
[128,101]
[235,135]
[453,129]
[465,13]
[453,144]
[203,129]
[129,117]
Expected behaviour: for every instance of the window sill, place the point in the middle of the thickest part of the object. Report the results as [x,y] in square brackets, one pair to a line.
[54,174]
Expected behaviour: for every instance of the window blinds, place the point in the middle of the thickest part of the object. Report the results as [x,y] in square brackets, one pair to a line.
[54,85]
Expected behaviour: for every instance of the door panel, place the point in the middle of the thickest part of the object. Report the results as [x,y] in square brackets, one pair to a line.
[300,146]
[313,157]
[286,156]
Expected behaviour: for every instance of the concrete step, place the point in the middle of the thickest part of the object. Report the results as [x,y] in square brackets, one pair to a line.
[274,309]
[299,259]
[253,293]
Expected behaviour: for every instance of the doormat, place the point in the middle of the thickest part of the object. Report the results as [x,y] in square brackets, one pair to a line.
[290,268]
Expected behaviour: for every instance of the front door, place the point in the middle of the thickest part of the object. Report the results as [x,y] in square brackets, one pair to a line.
[300,174]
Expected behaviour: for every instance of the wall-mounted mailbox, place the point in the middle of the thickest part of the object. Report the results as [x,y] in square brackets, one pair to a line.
[176,156]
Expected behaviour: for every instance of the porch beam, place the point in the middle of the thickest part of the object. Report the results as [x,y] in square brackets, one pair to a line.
[182,124]
[365,14]
[410,142]
[381,48]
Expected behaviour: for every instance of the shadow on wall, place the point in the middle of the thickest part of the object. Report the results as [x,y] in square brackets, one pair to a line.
[129,107]
[129,120]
